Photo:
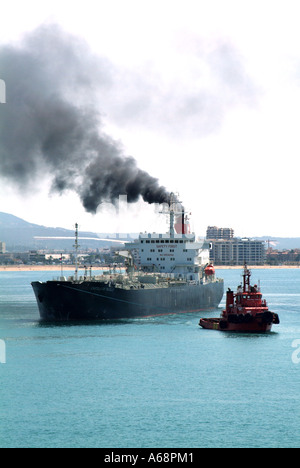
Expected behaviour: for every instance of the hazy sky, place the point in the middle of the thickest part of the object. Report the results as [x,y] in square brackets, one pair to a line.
[204,95]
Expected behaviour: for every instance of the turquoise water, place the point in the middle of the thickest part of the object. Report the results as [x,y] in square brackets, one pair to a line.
[157,382]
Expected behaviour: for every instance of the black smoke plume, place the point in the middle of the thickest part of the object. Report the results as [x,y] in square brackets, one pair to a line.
[52,126]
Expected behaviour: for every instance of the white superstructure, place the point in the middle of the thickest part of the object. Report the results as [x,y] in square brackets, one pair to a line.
[176,254]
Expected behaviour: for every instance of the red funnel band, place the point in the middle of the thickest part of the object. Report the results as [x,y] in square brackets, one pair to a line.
[182,225]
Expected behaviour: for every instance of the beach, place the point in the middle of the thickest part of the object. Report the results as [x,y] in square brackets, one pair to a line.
[14,268]
[258,267]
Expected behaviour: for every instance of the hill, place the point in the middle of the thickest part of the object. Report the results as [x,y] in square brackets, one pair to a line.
[19,235]
[282,243]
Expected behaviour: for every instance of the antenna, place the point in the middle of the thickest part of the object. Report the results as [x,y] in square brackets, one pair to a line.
[61,265]
[172,213]
[76,245]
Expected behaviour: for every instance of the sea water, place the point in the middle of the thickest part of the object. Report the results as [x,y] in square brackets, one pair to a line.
[152,382]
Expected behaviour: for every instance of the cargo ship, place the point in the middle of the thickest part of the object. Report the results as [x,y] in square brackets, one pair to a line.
[246,310]
[165,274]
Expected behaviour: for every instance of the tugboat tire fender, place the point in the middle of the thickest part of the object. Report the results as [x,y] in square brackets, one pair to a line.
[232,318]
[276,319]
[248,318]
[267,317]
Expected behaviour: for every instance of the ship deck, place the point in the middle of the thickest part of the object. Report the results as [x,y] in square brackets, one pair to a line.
[127,283]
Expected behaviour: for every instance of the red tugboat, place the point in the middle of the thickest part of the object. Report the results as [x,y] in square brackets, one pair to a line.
[245,311]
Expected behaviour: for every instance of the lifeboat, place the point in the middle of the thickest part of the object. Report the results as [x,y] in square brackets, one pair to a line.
[209,270]
[246,310]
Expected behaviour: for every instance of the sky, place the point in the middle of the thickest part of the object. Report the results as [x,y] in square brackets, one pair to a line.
[205,96]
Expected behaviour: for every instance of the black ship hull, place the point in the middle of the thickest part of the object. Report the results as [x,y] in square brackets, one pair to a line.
[91,300]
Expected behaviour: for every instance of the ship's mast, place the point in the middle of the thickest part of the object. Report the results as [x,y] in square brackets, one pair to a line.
[174,208]
[246,278]
[173,211]
[172,214]
[76,245]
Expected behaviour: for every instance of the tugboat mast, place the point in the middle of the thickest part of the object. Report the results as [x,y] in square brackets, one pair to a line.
[246,278]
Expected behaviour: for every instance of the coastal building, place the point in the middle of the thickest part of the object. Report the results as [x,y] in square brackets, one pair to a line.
[2,247]
[229,250]
[283,257]
[213,232]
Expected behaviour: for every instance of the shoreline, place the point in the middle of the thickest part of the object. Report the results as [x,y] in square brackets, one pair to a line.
[71,268]
[22,268]
[258,267]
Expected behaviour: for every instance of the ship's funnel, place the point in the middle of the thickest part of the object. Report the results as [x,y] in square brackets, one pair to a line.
[182,224]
